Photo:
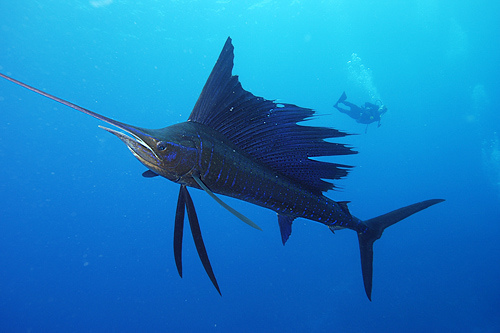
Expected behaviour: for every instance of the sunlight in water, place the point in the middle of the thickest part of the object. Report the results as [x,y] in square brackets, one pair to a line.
[100,3]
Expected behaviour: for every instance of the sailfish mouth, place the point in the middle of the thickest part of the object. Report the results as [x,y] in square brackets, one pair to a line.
[136,145]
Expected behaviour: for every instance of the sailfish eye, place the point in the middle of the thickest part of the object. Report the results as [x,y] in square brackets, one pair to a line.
[161,145]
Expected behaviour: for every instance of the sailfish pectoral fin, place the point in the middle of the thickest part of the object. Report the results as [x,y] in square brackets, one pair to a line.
[198,239]
[179,229]
[225,205]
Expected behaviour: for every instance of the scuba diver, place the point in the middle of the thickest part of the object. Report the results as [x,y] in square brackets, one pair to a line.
[365,114]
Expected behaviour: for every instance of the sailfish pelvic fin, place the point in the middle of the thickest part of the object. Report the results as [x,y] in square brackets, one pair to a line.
[186,203]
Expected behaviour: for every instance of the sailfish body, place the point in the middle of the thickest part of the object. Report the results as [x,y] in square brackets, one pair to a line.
[246,147]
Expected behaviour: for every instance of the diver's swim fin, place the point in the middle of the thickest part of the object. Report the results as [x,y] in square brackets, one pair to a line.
[342,98]
[376,227]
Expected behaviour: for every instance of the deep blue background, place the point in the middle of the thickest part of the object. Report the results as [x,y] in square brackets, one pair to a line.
[86,242]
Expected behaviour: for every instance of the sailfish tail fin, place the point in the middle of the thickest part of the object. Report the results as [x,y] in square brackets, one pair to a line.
[376,227]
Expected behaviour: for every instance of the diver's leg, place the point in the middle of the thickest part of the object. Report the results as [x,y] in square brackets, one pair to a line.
[351,105]
[341,109]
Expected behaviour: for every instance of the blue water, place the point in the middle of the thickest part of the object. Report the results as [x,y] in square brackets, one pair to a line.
[86,242]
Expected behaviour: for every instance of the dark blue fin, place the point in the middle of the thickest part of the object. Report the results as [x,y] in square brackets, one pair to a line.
[343,206]
[268,131]
[198,239]
[376,227]
[342,98]
[285,222]
[149,174]
[179,229]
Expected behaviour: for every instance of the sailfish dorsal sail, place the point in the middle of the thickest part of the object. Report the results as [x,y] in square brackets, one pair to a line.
[268,131]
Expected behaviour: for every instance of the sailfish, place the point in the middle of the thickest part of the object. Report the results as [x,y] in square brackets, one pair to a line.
[253,149]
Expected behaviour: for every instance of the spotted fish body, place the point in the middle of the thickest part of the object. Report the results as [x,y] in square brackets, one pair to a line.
[230,171]
[249,148]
